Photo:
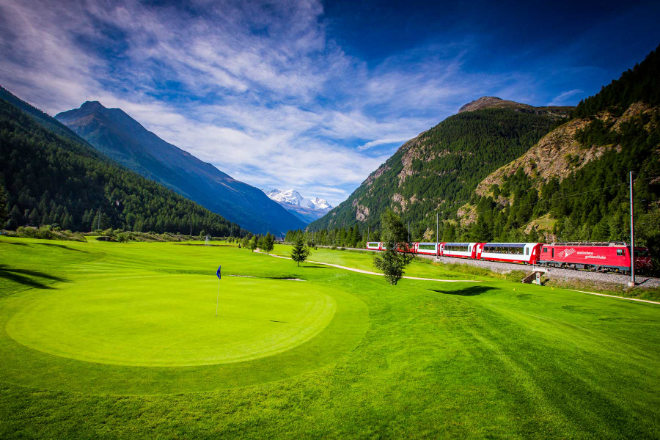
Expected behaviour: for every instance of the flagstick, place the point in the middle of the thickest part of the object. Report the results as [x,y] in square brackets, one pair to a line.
[217,299]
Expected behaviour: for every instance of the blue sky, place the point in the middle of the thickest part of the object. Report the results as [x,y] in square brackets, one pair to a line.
[305,94]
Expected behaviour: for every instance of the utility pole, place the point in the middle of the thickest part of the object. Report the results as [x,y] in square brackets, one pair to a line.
[368,233]
[408,231]
[437,232]
[632,236]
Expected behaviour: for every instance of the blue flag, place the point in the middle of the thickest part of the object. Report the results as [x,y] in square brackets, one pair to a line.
[218,273]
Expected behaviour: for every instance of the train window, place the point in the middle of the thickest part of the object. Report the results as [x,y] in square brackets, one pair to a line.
[526,251]
[553,252]
[545,249]
[619,252]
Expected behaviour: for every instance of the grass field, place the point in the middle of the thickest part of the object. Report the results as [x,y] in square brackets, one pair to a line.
[106,340]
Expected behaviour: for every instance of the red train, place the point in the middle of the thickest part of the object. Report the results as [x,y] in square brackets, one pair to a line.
[591,256]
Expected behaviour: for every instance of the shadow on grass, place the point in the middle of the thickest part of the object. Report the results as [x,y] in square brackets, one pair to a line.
[61,246]
[15,243]
[468,291]
[314,266]
[23,276]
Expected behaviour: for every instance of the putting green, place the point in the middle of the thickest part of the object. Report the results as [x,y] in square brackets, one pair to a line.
[170,320]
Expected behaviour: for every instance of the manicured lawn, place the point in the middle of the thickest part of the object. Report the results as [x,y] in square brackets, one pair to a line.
[121,340]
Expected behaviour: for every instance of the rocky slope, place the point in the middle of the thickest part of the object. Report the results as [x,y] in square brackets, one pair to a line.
[442,165]
[562,154]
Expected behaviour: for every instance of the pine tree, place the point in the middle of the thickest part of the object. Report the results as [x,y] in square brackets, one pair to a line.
[254,243]
[267,243]
[392,262]
[300,251]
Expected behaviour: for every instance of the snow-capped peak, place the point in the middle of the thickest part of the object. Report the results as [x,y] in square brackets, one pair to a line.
[293,197]
[290,196]
[320,203]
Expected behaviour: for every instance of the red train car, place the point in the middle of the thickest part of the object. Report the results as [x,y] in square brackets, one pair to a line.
[459,250]
[427,248]
[509,252]
[374,246]
[380,246]
[594,256]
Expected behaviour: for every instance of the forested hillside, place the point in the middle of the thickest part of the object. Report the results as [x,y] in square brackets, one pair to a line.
[637,84]
[573,185]
[477,170]
[442,166]
[53,177]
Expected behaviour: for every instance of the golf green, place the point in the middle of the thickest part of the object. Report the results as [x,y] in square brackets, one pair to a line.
[169,320]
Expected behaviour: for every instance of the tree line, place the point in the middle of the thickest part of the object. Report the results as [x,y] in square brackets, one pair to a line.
[351,237]
[51,179]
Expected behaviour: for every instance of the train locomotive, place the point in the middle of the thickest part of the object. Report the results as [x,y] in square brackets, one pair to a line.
[602,257]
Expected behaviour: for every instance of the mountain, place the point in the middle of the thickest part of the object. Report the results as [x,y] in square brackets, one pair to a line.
[442,166]
[573,184]
[52,176]
[561,177]
[115,134]
[307,210]
[495,102]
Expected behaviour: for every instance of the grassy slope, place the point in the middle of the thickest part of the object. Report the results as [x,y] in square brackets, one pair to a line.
[440,360]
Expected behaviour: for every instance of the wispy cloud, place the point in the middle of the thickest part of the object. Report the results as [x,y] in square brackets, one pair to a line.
[261,89]
[562,98]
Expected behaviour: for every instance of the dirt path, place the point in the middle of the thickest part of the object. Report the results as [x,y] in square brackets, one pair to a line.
[619,297]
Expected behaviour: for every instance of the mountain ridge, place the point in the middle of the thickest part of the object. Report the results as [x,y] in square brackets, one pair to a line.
[569,184]
[119,136]
[447,161]
[612,133]
[486,102]
[54,177]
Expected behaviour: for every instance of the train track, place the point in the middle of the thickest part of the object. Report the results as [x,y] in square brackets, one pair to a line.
[551,272]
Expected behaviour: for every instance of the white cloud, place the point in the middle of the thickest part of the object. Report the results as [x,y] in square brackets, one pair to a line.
[257,88]
[562,98]
[378,142]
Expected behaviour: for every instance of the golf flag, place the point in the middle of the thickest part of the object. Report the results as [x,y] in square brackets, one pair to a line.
[218,273]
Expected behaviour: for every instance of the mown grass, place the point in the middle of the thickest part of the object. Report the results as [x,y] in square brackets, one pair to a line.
[490,359]
[364,260]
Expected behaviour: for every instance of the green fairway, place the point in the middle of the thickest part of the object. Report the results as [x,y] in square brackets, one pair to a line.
[120,340]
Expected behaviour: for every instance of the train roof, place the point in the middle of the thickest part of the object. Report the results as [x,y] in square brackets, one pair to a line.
[509,245]
[583,243]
